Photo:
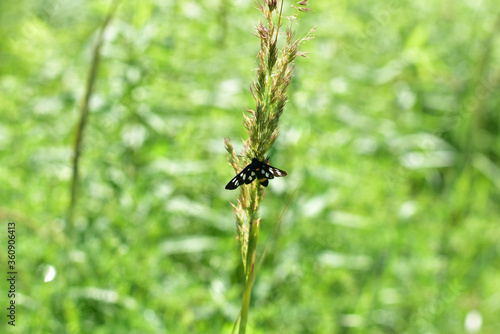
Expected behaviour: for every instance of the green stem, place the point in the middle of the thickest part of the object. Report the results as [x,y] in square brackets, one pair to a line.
[250,265]
[84,111]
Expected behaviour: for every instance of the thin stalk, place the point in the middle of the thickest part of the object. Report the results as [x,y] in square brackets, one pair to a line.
[249,276]
[275,232]
[84,111]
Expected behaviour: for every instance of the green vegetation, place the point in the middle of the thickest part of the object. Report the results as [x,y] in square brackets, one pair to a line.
[390,136]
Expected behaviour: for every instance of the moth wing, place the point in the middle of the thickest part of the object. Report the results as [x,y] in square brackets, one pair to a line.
[261,172]
[235,182]
[245,176]
[277,172]
[248,175]
[265,172]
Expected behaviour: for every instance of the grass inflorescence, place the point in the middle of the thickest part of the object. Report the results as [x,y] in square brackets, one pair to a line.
[269,89]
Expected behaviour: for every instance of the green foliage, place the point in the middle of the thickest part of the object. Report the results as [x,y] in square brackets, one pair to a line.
[391,134]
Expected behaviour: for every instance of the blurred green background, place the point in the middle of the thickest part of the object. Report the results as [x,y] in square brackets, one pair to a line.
[391,138]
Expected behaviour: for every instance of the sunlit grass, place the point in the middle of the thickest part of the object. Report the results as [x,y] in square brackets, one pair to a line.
[394,151]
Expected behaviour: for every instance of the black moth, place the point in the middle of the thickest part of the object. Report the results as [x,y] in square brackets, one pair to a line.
[256,170]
